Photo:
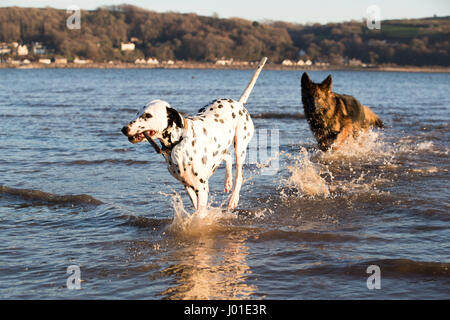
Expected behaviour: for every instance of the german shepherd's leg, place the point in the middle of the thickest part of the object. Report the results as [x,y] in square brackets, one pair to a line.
[346,131]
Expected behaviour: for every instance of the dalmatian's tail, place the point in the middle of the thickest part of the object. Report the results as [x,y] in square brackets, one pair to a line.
[252,82]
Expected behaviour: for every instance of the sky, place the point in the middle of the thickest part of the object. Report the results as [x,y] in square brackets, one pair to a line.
[310,11]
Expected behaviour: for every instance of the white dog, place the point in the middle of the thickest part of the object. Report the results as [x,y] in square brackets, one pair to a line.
[194,147]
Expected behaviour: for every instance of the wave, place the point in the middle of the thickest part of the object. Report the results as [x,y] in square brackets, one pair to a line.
[143,222]
[407,267]
[49,198]
[388,268]
[128,162]
[275,115]
[309,236]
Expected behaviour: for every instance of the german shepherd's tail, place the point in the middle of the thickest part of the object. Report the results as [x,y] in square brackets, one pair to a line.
[252,82]
[372,119]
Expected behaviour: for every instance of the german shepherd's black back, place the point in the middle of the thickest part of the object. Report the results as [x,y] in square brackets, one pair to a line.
[332,117]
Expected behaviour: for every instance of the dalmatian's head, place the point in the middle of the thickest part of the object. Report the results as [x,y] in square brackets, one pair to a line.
[157,118]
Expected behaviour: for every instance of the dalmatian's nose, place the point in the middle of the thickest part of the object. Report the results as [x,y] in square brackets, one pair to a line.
[125,130]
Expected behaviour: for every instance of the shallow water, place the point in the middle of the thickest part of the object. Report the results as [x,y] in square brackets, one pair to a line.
[75,192]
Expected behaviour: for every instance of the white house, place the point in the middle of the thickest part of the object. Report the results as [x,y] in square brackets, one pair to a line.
[300,62]
[45,61]
[127,46]
[152,61]
[287,62]
[224,62]
[60,61]
[355,62]
[38,48]
[4,49]
[22,50]
[308,62]
[79,61]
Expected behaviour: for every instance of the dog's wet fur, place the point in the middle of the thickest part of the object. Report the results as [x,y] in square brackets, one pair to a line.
[334,117]
[195,146]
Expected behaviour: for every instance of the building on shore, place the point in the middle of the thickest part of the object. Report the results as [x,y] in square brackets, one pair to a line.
[45,61]
[39,49]
[241,63]
[60,61]
[127,46]
[22,50]
[152,61]
[224,62]
[4,49]
[81,61]
[14,62]
[355,62]
[287,62]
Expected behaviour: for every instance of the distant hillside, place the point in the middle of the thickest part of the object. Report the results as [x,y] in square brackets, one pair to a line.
[174,36]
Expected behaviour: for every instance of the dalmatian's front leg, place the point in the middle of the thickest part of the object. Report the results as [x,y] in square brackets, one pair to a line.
[202,196]
[228,175]
[192,195]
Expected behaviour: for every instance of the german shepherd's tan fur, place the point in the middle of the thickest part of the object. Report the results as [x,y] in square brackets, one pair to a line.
[333,117]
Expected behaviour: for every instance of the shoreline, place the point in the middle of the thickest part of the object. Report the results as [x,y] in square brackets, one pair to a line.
[212,66]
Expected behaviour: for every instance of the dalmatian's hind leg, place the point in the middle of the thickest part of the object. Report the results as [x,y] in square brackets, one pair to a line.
[241,141]
[228,175]
[192,195]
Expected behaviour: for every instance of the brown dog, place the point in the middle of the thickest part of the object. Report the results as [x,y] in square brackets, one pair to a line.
[333,117]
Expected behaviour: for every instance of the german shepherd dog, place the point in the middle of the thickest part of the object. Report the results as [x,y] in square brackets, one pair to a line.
[333,117]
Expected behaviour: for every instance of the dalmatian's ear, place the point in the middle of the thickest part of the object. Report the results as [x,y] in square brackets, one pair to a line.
[174,116]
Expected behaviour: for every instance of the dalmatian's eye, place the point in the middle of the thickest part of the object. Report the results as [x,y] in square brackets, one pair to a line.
[146,116]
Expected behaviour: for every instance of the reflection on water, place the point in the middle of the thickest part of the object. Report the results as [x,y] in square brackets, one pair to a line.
[210,267]
[210,260]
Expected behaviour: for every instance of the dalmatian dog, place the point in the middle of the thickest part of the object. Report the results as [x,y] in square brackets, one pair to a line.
[195,146]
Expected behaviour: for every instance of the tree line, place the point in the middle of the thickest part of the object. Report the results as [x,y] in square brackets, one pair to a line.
[190,37]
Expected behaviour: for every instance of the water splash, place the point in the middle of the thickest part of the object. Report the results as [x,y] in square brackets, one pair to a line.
[208,220]
[369,145]
[424,146]
[306,176]
[351,168]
